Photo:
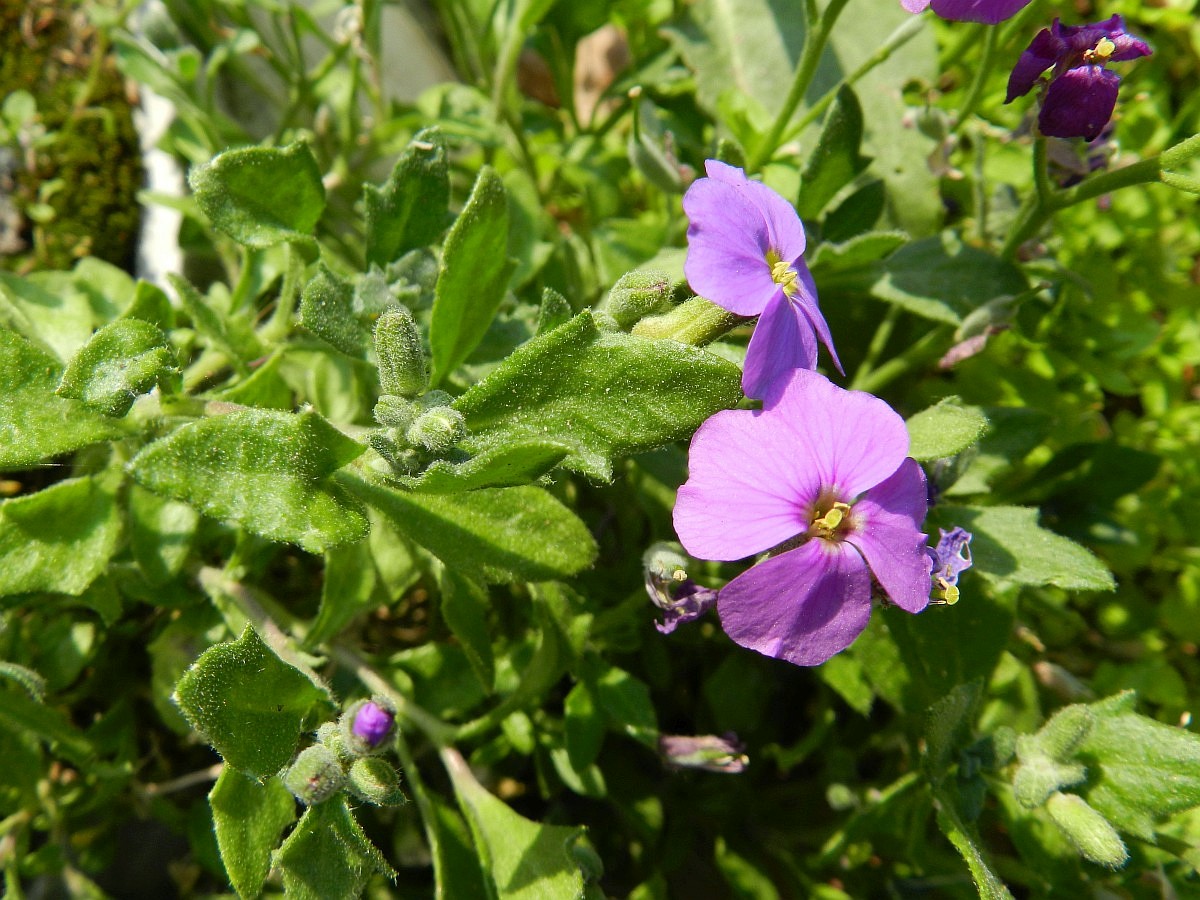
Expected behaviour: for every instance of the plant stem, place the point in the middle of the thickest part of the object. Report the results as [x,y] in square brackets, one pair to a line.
[280,323]
[915,355]
[815,39]
[883,334]
[981,74]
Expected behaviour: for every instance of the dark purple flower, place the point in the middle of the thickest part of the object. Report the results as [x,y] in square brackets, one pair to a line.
[820,478]
[373,723]
[709,752]
[987,11]
[746,254]
[1080,93]
[950,558]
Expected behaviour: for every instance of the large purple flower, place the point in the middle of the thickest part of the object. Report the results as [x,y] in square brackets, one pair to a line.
[987,11]
[820,478]
[1081,94]
[746,254]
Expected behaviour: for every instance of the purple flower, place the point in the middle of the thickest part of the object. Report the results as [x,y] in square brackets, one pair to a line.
[949,559]
[1080,94]
[709,752]
[820,478]
[373,723]
[987,11]
[746,254]
[680,599]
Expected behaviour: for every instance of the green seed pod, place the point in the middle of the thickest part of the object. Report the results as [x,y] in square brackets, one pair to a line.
[437,430]
[401,359]
[315,776]
[1092,834]
[637,295]
[375,781]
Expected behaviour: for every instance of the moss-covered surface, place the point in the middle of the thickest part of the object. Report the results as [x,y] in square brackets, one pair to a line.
[76,181]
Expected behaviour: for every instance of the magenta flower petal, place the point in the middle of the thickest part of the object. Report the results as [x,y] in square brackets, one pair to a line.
[803,606]
[1079,103]
[987,11]
[887,534]
[806,299]
[727,245]
[914,6]
[783,340]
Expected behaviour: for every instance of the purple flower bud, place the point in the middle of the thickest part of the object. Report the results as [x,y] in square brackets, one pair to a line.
[373,723]
[1080,93]
[709,752]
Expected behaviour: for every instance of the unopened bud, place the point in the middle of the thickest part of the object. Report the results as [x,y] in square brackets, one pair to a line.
[637,295]
[331,736]
[437,430]
[366,726]
[315,776]
[710,752]
[1092,834]
[401,359]
[375,781]
[394,412]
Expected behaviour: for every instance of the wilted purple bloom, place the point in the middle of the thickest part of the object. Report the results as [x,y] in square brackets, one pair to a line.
[680,599]
[746,254]
[950,558]
[373,723]
[1080,94]
[987,11]
[710,752]
[820,478]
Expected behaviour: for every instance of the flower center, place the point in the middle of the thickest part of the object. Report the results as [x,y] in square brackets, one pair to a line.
[783,274]
[832,522]
[1101,52]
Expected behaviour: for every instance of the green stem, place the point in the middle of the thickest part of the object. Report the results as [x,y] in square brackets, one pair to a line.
[815,39]
[837,843]
[900,365]
[879,340]
[982,71]
[280,323]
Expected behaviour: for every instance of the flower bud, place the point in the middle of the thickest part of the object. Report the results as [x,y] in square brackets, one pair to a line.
[315,776]
[375,781]
[331,736]
[437,430]
[1092,834]
[710,752]
[401,359]
[637,295]
[366,726]
[394,412]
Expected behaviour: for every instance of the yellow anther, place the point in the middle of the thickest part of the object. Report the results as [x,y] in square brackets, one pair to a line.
[783,274]
[945,593]
[1101,52]
[828,523]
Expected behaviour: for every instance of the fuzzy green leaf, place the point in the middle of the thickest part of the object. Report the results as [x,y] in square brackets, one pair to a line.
[248,703]
[34,422]
[1011,547]
[526,860]
[328,855]
[464,607]
[409,211]
[264,470]
[602,394]
[835,161]
[501,465]
[261,196]
[945,429]
[249,817]
[473,278]
[497,534]
[327,310]
[59,539]
[122,361]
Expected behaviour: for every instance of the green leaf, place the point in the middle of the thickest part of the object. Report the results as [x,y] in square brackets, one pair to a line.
[525,860]
[945,429]
[122,361]
[943,280]
[328,855]
[249,818]
[948,726]
[602,394]
[34,422]
[327,310]
[455,864]
[966,841]
[1009,547]
[161,532]
[261,196]
[583,725]
[262,469]
[497,534]
[835,161]
[248,703]
[473,277]
[499,465]
[22,713]
[1139,771]
[409,211]
[59,539]
[346,591]
[465,608]
[626,702]
[48,309]
[230,334]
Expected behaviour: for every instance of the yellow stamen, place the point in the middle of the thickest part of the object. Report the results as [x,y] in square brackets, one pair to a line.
[1101,52]
[827,524]
[945,594]
[783,274]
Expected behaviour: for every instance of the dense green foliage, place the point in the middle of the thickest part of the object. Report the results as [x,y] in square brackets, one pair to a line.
[410,422]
